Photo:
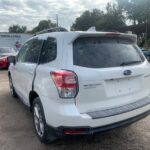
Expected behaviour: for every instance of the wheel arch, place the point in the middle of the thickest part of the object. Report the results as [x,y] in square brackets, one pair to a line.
[32,95]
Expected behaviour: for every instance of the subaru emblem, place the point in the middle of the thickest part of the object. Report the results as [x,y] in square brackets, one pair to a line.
[127,72]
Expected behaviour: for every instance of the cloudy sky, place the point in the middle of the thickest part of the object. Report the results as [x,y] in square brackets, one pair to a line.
[30,12]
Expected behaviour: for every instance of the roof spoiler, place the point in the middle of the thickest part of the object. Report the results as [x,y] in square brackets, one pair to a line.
[132,37]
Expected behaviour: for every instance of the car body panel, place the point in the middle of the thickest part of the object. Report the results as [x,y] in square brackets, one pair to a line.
[99,89]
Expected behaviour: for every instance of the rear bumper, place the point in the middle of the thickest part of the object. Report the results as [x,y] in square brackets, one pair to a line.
[61,131]
[62,115]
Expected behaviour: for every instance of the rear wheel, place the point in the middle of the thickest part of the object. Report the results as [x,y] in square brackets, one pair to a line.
[12,89]
[40,125]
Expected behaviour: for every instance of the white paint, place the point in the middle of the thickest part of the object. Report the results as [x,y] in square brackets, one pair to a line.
[73,112]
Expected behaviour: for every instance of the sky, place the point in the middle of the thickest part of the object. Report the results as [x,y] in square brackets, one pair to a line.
[30,12]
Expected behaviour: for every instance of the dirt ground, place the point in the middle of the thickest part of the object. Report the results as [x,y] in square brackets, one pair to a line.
[17,133]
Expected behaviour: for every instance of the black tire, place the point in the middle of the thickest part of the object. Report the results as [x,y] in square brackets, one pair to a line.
[44,134]
[12,89]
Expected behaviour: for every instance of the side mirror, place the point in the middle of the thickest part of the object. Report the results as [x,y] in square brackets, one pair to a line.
[12,59]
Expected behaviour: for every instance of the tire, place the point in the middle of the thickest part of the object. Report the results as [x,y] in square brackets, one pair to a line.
[12,89]
[41,128]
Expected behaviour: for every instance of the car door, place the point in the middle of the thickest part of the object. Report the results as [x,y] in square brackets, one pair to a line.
[16,69]
[28,68]
[25,68]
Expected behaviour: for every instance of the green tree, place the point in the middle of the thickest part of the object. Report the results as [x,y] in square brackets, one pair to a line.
[138,11]
[17,29]
[87,19]
[43,24]
[110,20]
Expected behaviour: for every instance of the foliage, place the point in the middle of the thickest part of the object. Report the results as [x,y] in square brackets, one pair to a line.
[113,18]
[147,43]
[17,29]
[136,10]
[87,19]
[110,20]
[43,24]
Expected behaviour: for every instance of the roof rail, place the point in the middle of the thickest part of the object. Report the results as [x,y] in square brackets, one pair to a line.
[57,29]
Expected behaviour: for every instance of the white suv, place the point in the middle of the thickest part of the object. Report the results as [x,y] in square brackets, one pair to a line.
[81,82]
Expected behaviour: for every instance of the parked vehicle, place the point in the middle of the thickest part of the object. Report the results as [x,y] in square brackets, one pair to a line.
[81,82]
[146,53]
[5,52]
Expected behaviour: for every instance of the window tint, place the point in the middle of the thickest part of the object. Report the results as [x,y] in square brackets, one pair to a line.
[23,51]
[49,51]
[95,52]
[33,52]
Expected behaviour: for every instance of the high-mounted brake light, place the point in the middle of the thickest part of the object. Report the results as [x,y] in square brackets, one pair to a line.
[66,83]
[112,34]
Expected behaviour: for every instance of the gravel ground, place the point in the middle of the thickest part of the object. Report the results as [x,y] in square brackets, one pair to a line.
[16,130]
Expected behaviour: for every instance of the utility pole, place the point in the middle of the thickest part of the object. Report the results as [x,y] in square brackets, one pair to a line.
[146,32]
[146,25]
[57,20]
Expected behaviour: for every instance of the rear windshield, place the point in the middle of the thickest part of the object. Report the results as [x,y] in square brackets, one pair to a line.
[101,52]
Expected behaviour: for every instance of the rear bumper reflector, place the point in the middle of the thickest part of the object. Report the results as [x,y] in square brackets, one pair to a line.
[74,131]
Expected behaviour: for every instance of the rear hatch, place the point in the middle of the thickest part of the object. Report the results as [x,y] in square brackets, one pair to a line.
[111,72]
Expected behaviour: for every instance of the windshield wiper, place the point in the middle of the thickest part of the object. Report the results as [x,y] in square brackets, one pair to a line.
[130,63]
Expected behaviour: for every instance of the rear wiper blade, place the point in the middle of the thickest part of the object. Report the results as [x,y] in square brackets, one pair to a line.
[129,63]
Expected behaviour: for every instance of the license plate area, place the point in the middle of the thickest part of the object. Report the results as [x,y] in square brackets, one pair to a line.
[115,87]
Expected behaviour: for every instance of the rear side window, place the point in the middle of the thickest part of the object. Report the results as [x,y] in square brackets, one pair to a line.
[33,51]
[104,52]
[49,51]
[23,51]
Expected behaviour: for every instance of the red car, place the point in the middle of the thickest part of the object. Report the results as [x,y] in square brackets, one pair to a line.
[5,52]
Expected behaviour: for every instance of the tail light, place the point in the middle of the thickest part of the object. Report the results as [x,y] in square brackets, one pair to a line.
[66,83]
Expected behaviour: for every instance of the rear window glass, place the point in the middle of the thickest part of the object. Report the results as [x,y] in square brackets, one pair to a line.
[101,52]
